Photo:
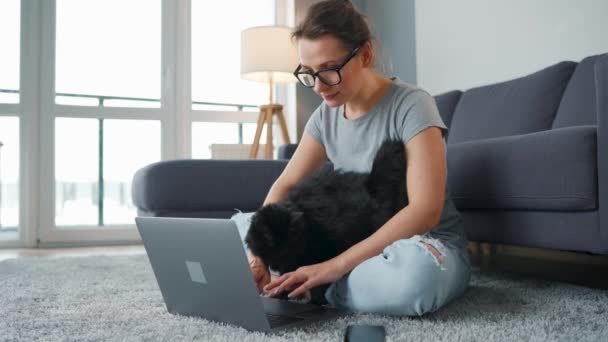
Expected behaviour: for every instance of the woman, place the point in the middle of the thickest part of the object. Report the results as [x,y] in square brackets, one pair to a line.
[417,261]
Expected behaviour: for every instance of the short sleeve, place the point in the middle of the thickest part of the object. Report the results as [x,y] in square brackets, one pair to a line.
[313,126]
[419,113]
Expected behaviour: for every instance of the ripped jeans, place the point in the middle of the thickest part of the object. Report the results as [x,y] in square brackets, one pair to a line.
[407,279]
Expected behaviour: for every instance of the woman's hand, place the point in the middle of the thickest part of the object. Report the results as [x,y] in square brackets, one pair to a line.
[306,277]
[261,275]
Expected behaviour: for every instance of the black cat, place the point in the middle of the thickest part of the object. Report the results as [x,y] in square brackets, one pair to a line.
[328,212]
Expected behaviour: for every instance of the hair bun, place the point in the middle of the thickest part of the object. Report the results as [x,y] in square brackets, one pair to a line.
[339,18]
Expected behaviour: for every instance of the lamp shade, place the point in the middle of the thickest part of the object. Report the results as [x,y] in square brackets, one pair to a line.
[268,54]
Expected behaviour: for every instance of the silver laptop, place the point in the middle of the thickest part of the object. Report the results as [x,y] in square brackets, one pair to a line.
[202,270]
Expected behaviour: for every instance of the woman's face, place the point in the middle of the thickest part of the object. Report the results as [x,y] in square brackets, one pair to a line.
[324,52]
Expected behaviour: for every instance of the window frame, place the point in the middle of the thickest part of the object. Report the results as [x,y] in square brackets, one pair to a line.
[37,112]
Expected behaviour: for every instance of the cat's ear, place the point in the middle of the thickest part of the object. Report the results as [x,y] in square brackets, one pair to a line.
[278,214]
[275,218]
[275,211]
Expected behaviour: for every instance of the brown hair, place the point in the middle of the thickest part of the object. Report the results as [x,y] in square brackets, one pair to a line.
[338,18]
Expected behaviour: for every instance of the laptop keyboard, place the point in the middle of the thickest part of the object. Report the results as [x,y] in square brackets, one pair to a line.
[278,320]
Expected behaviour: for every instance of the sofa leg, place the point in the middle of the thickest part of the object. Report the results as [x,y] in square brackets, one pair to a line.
[481,253]
[473,247]
[487,249]
[474,253]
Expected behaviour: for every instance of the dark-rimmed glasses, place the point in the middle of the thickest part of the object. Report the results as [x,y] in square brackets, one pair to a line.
[330,76]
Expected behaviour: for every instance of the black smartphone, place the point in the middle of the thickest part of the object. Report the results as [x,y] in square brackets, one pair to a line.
[365,333]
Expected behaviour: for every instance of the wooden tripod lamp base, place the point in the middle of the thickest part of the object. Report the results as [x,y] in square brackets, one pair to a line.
[265,117]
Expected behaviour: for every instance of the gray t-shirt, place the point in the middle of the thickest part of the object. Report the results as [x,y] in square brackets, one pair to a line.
[403,112]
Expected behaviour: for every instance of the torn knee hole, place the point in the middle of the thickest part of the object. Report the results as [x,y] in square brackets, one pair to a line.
[434,251]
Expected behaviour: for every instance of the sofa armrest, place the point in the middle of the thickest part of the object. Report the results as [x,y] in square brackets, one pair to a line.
[199,185]
[286,151]
[554,170]
[601,96]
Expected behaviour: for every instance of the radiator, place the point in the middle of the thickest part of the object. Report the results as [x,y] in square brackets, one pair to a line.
[235,151]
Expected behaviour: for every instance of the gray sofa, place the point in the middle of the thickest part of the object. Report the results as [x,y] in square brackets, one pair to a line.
[527,164]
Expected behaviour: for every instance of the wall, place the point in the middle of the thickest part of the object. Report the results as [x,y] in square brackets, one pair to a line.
[466,43]
[393,23]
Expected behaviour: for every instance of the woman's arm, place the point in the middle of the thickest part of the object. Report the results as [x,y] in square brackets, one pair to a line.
[308,157]
[426,182]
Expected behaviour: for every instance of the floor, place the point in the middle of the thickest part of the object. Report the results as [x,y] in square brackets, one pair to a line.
[63,252]
[575,268]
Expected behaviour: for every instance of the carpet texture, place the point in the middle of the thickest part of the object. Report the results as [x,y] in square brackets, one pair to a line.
[116,298]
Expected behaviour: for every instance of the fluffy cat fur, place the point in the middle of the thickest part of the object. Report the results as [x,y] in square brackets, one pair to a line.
[328,212]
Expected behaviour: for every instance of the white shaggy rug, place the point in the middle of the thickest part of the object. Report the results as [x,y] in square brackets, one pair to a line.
[116,298]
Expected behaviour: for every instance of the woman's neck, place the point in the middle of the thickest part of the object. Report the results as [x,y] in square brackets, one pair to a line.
[374,90]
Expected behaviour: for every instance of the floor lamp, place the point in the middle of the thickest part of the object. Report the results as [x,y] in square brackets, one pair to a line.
[268,55]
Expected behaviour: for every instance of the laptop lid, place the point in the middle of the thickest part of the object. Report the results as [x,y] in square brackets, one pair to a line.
[201,269]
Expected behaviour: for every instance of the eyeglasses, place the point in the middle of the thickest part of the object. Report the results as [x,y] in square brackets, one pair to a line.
[330,76]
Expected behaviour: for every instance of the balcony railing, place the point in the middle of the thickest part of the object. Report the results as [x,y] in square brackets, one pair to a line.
[101,101]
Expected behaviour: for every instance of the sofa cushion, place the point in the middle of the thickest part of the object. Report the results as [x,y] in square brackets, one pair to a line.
[446,103]
[578,103]
[523,105]
[549,170]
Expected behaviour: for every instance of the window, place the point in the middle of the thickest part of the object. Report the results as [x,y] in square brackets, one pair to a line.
[10,14]
[108,54]
[108,49]
[216,37]
[76,171]
[95,163]
[9,58]
[106,87]
[9,173]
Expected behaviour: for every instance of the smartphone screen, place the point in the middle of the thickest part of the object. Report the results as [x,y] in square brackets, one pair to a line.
[367,333]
